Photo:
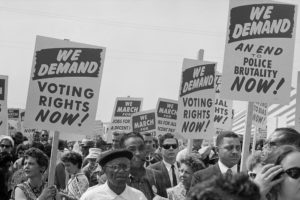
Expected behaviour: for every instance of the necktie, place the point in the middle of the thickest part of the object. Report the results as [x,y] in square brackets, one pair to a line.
[174,176]
[229,173]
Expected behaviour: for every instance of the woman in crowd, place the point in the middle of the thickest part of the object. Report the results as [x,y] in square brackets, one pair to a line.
[36,163]
[281,174]
[188,167]
[254,164]
[5,163]
[20,150]
[78,183]
[6,144]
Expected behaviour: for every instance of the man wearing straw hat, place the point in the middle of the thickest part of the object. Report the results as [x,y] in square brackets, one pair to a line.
[92,165]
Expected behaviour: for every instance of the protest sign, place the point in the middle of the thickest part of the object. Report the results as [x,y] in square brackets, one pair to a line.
[123,109]
[13,113]
[3,105]
[64,86]
[260,114]
[144,121]
[166,110]
[223,108]
[259,51]
[297,113]
[196,100]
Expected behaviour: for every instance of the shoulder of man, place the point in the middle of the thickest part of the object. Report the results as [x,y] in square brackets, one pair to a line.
[204,174]
[156,166]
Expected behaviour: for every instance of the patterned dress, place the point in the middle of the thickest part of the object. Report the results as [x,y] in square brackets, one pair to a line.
[77,185]
[176,193]
[30,193]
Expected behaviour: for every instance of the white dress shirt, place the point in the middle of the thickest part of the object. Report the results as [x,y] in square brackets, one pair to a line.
[168,166]
[224,169]
[103,192]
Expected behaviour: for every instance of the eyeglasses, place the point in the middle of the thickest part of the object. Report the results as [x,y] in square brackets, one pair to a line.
[168,146]
[4,145]
[119,167]
[294,172]
[252,175]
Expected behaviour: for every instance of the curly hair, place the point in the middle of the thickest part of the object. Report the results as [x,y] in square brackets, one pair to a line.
[193,162]
[72,157]
[238,187]
[41,158]
[254,160]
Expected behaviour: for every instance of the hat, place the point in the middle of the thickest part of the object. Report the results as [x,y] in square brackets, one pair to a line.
[8,138]
[94,153]
[113,154]
[87,143]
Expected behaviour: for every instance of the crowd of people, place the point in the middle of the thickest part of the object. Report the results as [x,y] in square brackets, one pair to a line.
[142,167]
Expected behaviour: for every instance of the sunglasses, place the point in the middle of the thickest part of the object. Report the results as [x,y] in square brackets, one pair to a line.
[168,146]
[252,175]
[294,172]
[6,146]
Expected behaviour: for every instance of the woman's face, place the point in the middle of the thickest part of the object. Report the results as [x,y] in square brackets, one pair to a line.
[290,187]
[71,168]
[185,175]
[32,168]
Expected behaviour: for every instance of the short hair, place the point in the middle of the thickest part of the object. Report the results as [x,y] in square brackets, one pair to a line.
[237,187]
[5,158]
[193,162]
[21,147]
[289,137]
[224,134]
[166,136]
[72,157]
[253,160]
[126,136]
[147,134]
[41,158]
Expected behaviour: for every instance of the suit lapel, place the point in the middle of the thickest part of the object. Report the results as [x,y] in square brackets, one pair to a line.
[166,174]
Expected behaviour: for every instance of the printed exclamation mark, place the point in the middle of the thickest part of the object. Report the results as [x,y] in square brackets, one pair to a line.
[84,118]
[206,125]
[279,85]
[224,120]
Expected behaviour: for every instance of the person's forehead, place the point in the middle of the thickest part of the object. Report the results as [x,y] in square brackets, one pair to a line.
[170,141]
[291,160]
[6,142]
[118,161]
[230,141]
[148,137]
[134,141]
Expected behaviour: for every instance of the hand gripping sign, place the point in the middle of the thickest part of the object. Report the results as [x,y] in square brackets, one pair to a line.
[259,51]
[64,86]
[195,116]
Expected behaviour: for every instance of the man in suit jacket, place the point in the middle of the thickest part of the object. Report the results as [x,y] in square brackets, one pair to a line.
[229,150]
[168,166]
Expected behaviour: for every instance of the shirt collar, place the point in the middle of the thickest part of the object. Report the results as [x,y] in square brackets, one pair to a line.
[113,195]
[168,165]
[224,169]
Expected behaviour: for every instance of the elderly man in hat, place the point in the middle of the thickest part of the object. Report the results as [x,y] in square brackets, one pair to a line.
[116,166]
[92,166]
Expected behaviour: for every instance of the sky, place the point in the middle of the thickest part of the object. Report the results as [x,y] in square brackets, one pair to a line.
[146,42]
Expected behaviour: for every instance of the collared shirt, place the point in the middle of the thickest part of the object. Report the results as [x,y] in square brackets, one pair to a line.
[168,166]
[103,192]
[224,169]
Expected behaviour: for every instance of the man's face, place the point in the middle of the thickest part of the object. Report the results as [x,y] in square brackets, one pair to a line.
[117,171]
[6,145]
[36,136]
[169,150]
[273,141]
[230,151]
[116,141]
[84,150]
[148,140]
[44,136]
[137,147]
